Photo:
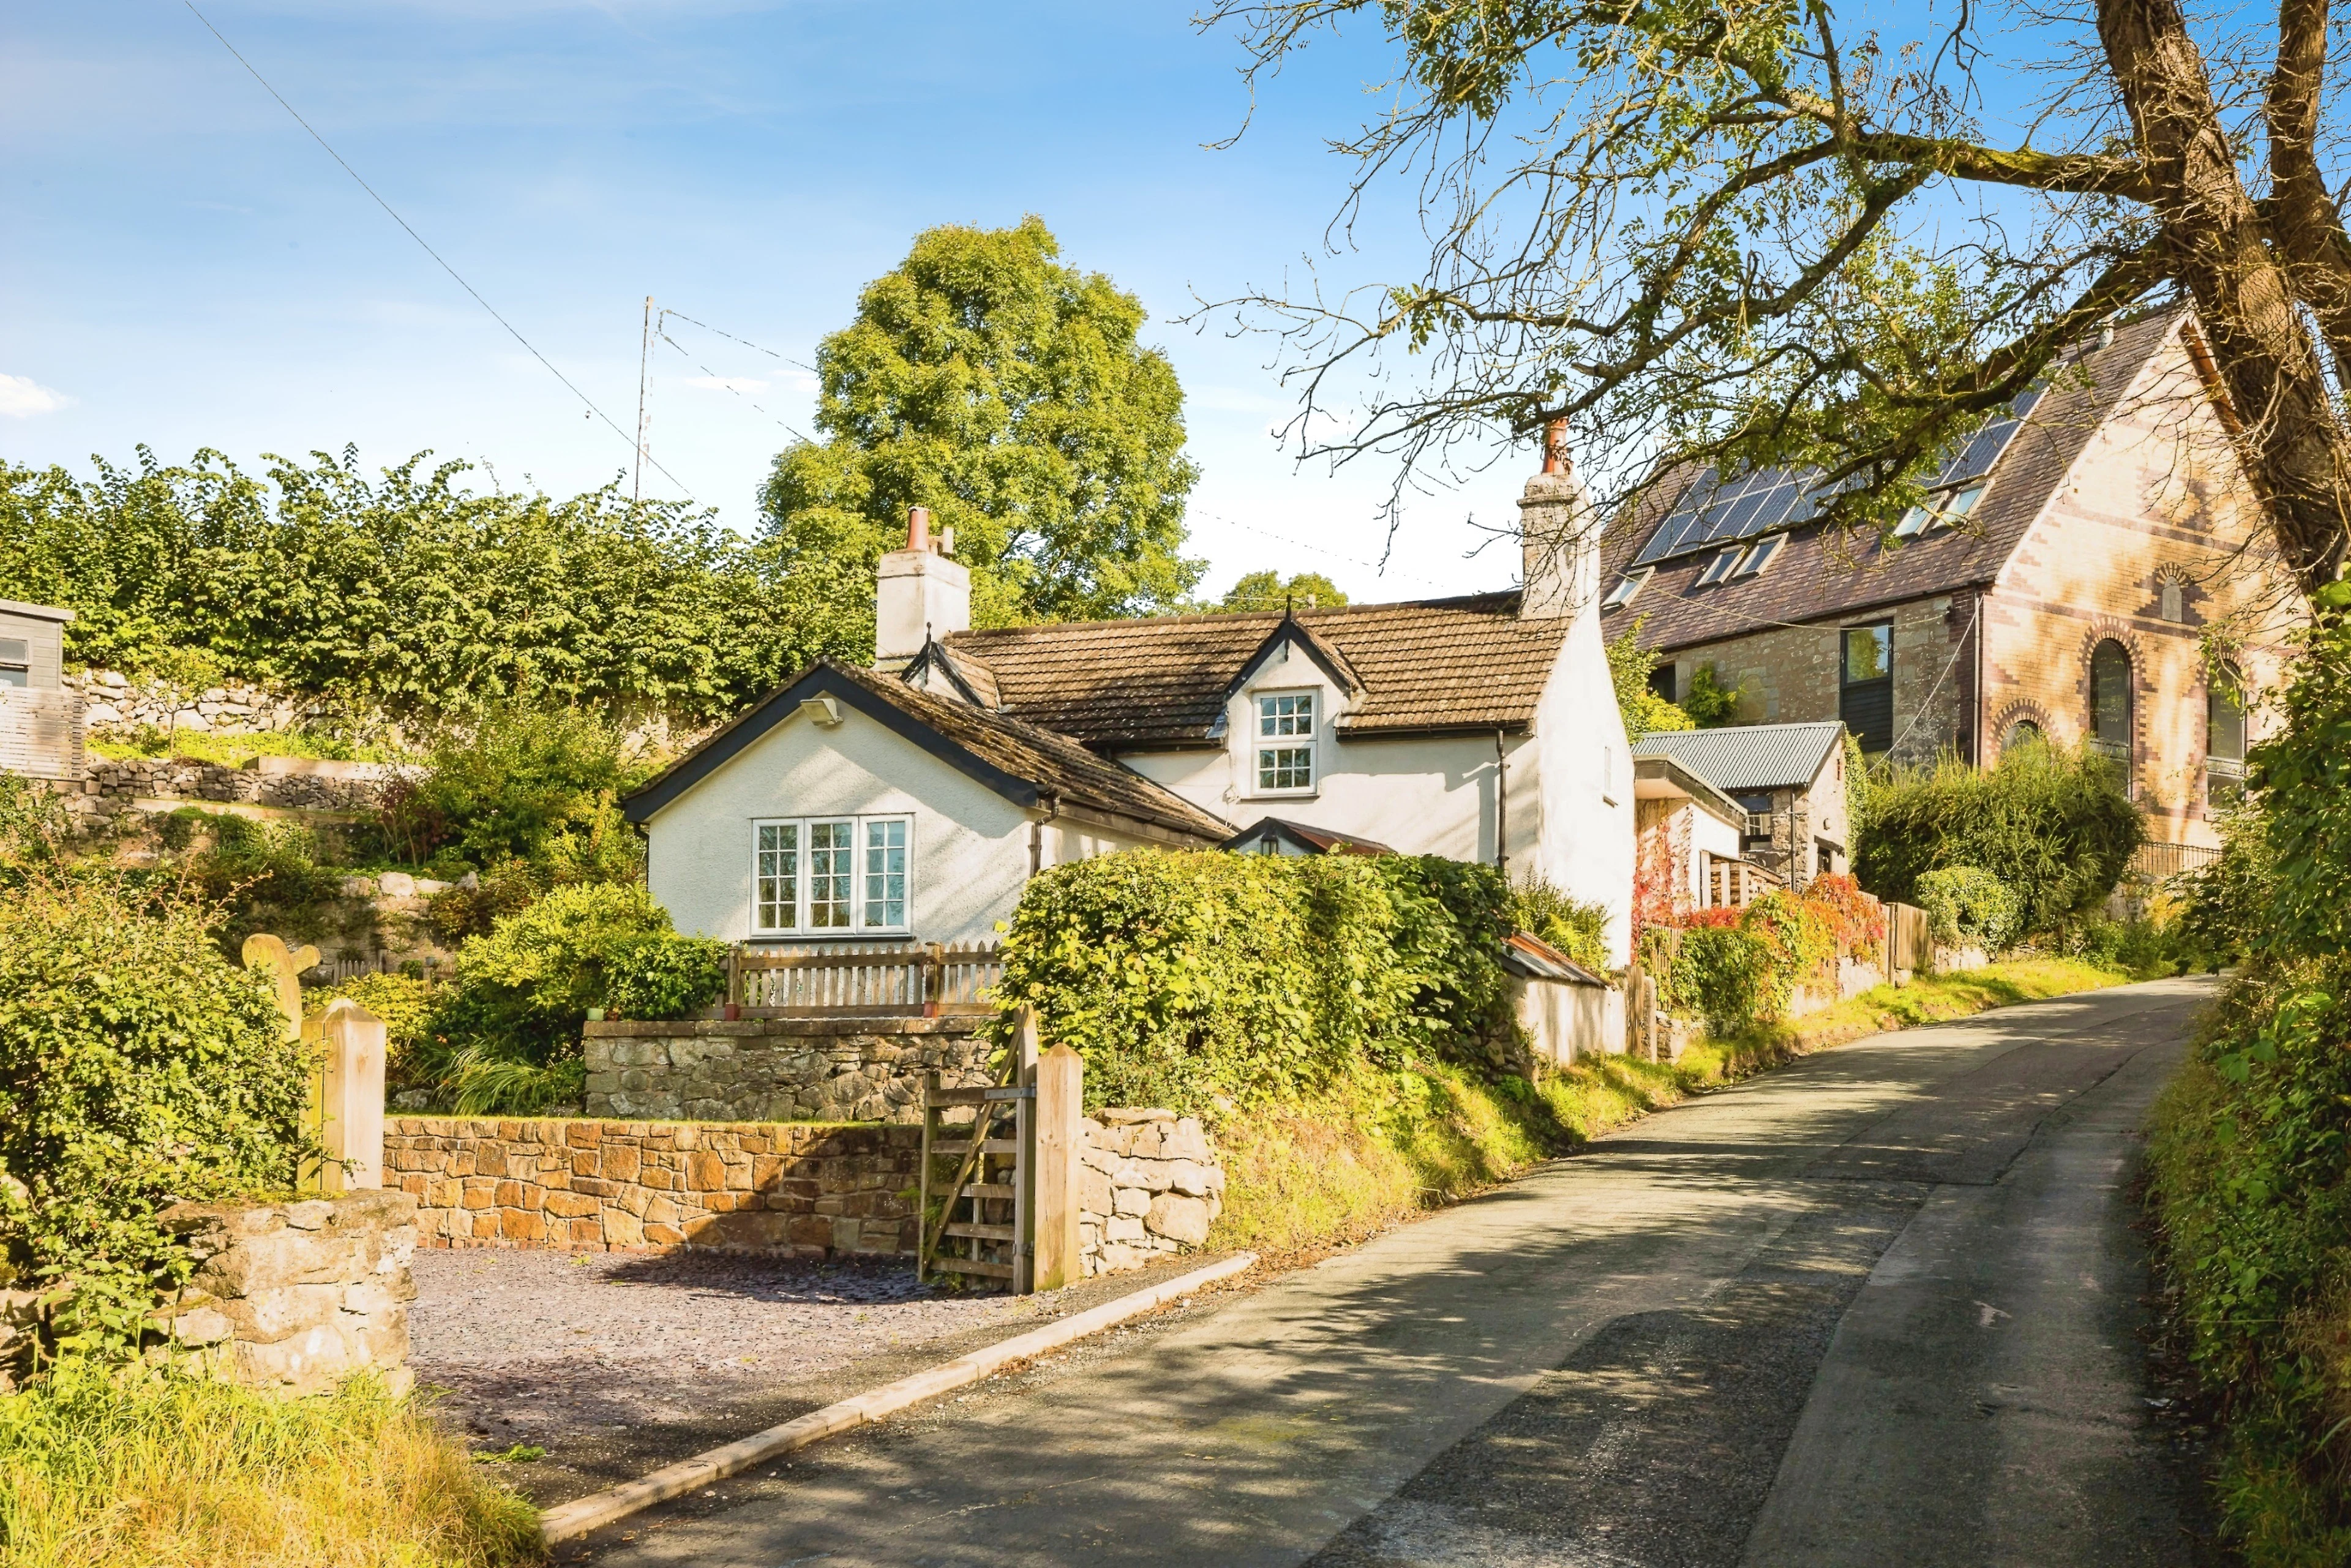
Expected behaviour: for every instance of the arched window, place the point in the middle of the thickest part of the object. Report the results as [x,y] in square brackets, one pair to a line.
[2110,705]
[2224,739]
[2023,732]
[2173,606]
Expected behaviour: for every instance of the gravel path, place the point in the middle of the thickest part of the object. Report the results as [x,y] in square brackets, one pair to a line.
[532,1343]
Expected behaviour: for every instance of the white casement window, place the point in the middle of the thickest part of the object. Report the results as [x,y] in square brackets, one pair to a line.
[1285,742]
[831,875]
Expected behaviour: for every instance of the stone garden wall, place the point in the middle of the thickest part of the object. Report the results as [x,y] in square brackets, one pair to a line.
[593,1186]
[296,1296]
[778,1070]
[294,784]
[1151,1185]
[111,700]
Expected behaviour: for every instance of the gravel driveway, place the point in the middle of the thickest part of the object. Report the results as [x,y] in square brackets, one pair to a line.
[615,1362]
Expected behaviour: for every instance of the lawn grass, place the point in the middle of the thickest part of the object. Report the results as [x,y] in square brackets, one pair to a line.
[233,750]
[101,1469]
[1336,1170]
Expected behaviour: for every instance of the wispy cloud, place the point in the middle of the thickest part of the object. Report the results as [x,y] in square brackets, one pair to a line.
[727,383]
[22,397]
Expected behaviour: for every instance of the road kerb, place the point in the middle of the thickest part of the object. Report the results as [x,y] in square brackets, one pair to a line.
[569,1520]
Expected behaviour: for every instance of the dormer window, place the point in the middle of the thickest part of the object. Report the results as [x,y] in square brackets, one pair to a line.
[1947,510]
[1285,742]
[1631,583]
[1720,567]
[1761,556]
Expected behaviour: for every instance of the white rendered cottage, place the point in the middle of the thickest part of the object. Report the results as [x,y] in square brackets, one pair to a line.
[913,800]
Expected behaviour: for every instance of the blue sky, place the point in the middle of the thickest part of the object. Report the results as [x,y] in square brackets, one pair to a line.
[184,266]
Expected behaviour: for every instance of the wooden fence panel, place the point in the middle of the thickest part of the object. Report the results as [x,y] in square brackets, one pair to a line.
[868,981]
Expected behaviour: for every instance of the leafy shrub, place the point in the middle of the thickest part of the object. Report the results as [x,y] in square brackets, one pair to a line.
[1579,930]
[505,784]
[103,1469]
[1967,906]
[35,826]
[664,977]
[1187,977]
[2058,828]
[522,992]
[1726,973]
[1710,704]
[263,876]
[138,1067]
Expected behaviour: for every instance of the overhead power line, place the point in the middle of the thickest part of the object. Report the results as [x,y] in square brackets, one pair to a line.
[428,250]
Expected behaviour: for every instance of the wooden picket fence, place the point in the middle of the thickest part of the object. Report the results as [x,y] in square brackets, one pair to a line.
[869,981]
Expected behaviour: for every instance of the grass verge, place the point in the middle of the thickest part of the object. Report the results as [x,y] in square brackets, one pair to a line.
[2246,1182]
[106,1469]
[1333,1171]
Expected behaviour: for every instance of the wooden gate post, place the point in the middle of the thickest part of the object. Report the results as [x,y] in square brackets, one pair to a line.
[1024,1121]
[350,1042]
[1061,1093]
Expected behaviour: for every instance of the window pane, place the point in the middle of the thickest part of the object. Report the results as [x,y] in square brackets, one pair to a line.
[777,874]
[16,651]
[15,675]
[1286,715]
[2224,724]
[885,873]
[1285,768]
[1868,653]
[831,846]
[2110,694]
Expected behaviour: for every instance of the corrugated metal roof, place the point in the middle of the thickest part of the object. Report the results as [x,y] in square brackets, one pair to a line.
[1744,756]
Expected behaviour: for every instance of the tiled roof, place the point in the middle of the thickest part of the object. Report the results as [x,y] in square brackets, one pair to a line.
[1820,575]
[1743,756]
[1119,686]
[1010,750]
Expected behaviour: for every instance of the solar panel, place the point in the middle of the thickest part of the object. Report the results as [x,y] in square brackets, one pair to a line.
[1713,511]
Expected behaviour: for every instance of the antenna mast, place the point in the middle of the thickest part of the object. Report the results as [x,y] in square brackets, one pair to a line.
[644,352]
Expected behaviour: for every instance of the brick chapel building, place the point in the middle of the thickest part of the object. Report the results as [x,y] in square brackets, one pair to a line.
[2094,570]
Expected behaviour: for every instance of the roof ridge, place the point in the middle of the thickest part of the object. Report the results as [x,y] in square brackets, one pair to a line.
[1207,617]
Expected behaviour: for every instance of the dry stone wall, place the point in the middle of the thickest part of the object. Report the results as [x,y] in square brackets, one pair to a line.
[112,700]
[294,1297]
[343,787]
[1151,1186]
[596,1185]
[778,1070]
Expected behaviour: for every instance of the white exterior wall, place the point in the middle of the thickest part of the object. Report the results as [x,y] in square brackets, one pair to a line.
[968,859]
[1434,795]
[1586,844]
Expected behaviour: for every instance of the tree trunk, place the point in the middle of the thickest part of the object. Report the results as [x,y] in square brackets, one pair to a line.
[2292,445]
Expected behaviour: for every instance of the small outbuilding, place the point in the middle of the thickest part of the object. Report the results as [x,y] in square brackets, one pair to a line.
[41,719]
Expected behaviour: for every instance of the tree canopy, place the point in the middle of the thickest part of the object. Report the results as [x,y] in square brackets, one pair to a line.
[1008,393]
[1267,590]
[1750,233]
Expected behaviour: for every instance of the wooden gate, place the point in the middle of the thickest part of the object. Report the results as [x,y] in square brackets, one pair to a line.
[1000,1193]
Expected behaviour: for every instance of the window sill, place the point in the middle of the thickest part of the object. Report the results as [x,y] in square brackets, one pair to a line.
[831,935]
[1283,795]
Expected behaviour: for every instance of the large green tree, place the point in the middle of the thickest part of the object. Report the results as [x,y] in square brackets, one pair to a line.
[1008,393]
[1758,232]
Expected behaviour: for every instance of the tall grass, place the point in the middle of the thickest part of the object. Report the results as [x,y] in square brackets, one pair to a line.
[102,1468]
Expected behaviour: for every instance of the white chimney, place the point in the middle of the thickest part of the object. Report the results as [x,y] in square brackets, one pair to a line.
[920,594]
[1558,537]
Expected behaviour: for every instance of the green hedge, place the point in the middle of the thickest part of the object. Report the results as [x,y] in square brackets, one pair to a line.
[1966,906]
[1188,978]
[138,1067]
[2056,828]
[2250,1158]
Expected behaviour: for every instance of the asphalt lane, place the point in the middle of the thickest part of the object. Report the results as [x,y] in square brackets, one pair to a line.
[1881,1306]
